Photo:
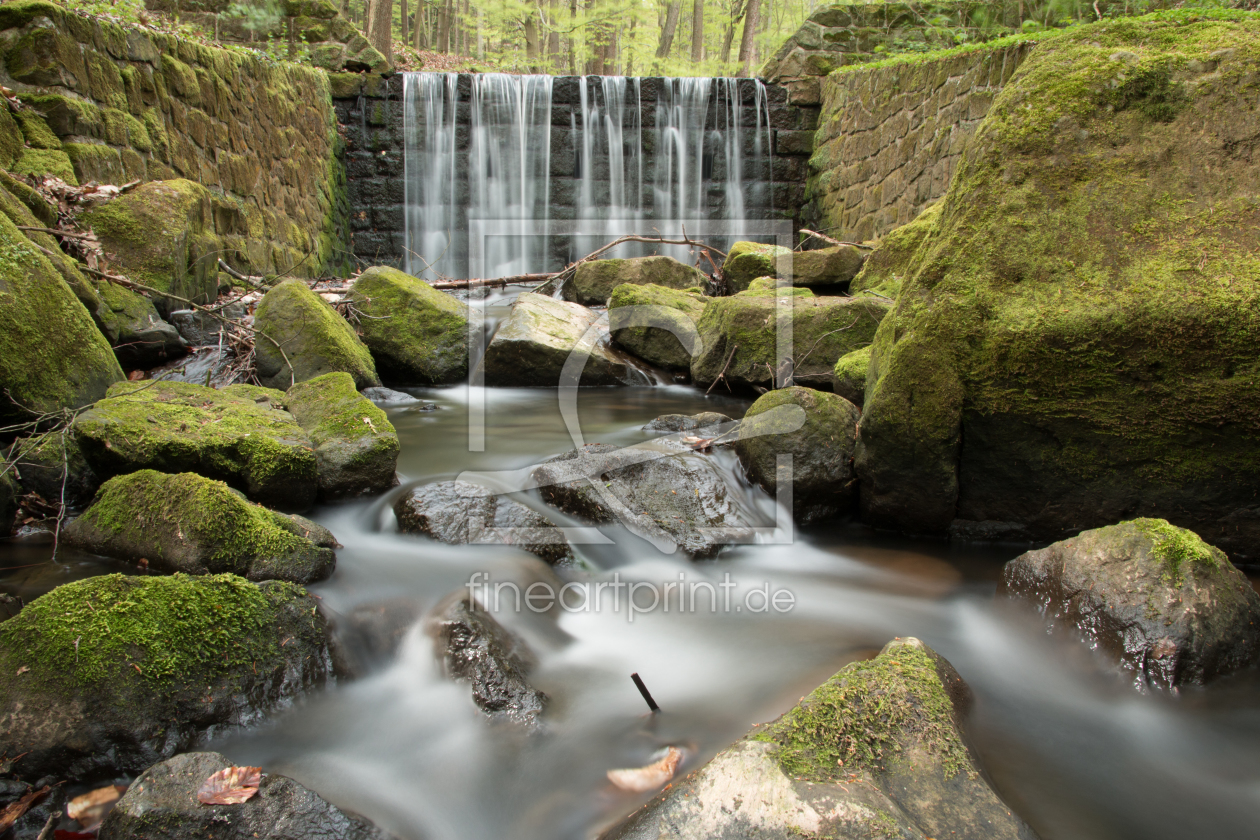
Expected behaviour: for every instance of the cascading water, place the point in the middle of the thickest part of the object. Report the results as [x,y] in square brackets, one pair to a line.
[484,177]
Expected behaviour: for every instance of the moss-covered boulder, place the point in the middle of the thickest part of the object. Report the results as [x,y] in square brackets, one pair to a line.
[1171,609]
[108,675]
[593,282]
[545,340]
[163,235]
[417,334]
[877,751]
[141,339]
[186,523]
[848,377]
[52,465]
[655,323]
[892,260]
[818,430]
[51,354]
[746,261]
[356,447]
[301,337]
[746,336]
[1074,343]
[828,269]
[240,434]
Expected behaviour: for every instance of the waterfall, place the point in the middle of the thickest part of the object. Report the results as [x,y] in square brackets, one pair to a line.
[481,179]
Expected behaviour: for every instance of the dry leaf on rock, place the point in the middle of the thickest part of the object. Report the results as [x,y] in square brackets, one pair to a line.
[651,777]
[230,786]
[15,810]
[89,809]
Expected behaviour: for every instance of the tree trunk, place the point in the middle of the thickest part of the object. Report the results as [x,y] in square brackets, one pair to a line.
[444,27]
[405,31]
[531,40]
[748,44]
[671,24]
[553,36]
[380,27]
[422,40]
[737,14]
[697,32]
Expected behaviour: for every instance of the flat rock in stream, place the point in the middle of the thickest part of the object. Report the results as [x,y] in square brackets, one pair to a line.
[532,347]
[1166,605]
[109,675]
[476,649]
[875,752]
[162,804]
[673,500]
[459,513]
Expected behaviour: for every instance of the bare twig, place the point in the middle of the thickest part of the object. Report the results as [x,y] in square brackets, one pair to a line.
[721,377]
[256,282]
[66,233]
[831,241]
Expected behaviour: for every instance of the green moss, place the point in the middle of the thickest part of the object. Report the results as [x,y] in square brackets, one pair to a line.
[1176,549]
[329,407]
[163,629]
[893,260]
[36,132]
[868,714]
[746,261]
[41,162]
[96,162]
[315,339]
[770,287]
[655,344]
[849,375]
[417,334]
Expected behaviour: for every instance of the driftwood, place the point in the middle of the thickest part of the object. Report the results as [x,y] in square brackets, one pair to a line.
[831,241]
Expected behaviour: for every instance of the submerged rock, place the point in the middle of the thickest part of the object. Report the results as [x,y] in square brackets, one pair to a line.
[532,347]
[417,334]
[108,675]
[356,447]
[388,396]
[459,513]
[739,334]
[313,339]
[186,523]
[819,431]
[593,282]
[368,636]
[674,501]
[746,261]
[1169,607]
[53,466]
[476,649]
[240,434]
[877,751]
[686,422]
[653,334]
[161,804]
[829,269]
[848,377]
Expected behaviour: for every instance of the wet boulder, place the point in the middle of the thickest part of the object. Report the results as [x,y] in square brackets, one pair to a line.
[417,334]
[460,513]
[739,336]
[545,340]
[827,269]
[593,282]
[108,675]
[675,501]
[302,337]
[240,434]
[186,523]
[746,261]
[389,397]
[162,233]
[705,420]
[848,377]
[140,338]
[1170,608]
[656,324]
[162,804]
[356,447]
[876,751]
[52,465]
[818,430]
[474,648]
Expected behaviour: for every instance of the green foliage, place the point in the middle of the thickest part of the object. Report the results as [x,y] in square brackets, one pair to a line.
[1176,549]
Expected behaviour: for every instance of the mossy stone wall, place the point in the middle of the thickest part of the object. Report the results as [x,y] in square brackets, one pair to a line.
[123,104]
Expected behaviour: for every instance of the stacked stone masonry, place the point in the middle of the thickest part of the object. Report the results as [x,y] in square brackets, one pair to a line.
[890,136]
[109,104]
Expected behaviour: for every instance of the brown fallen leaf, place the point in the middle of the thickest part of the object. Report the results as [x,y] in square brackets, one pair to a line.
[14,810]
[651,777]
[230,786]
[89,809]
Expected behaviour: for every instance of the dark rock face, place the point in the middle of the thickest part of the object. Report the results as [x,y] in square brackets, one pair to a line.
[458,513]
[51,464]
[8,504]
[819,431]
[875,752]
[368,636]
[675,501]
[1166,605]
[30,824]
[109,675]
[476,649]
[161,804]
[140,338]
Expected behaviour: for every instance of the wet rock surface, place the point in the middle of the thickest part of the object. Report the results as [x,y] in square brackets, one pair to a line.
[875,752]
[140,338]
[674,501]
[33,821]
[356,447]
[476,649]
[818,430]
[161,804]
[460,513]
[109,675]
[367,637]
[187,523]
[1167,606]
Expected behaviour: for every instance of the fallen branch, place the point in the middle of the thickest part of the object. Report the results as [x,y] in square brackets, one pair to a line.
[64,233]
[721,377]
[831,241]
[498,282]
[254,281]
